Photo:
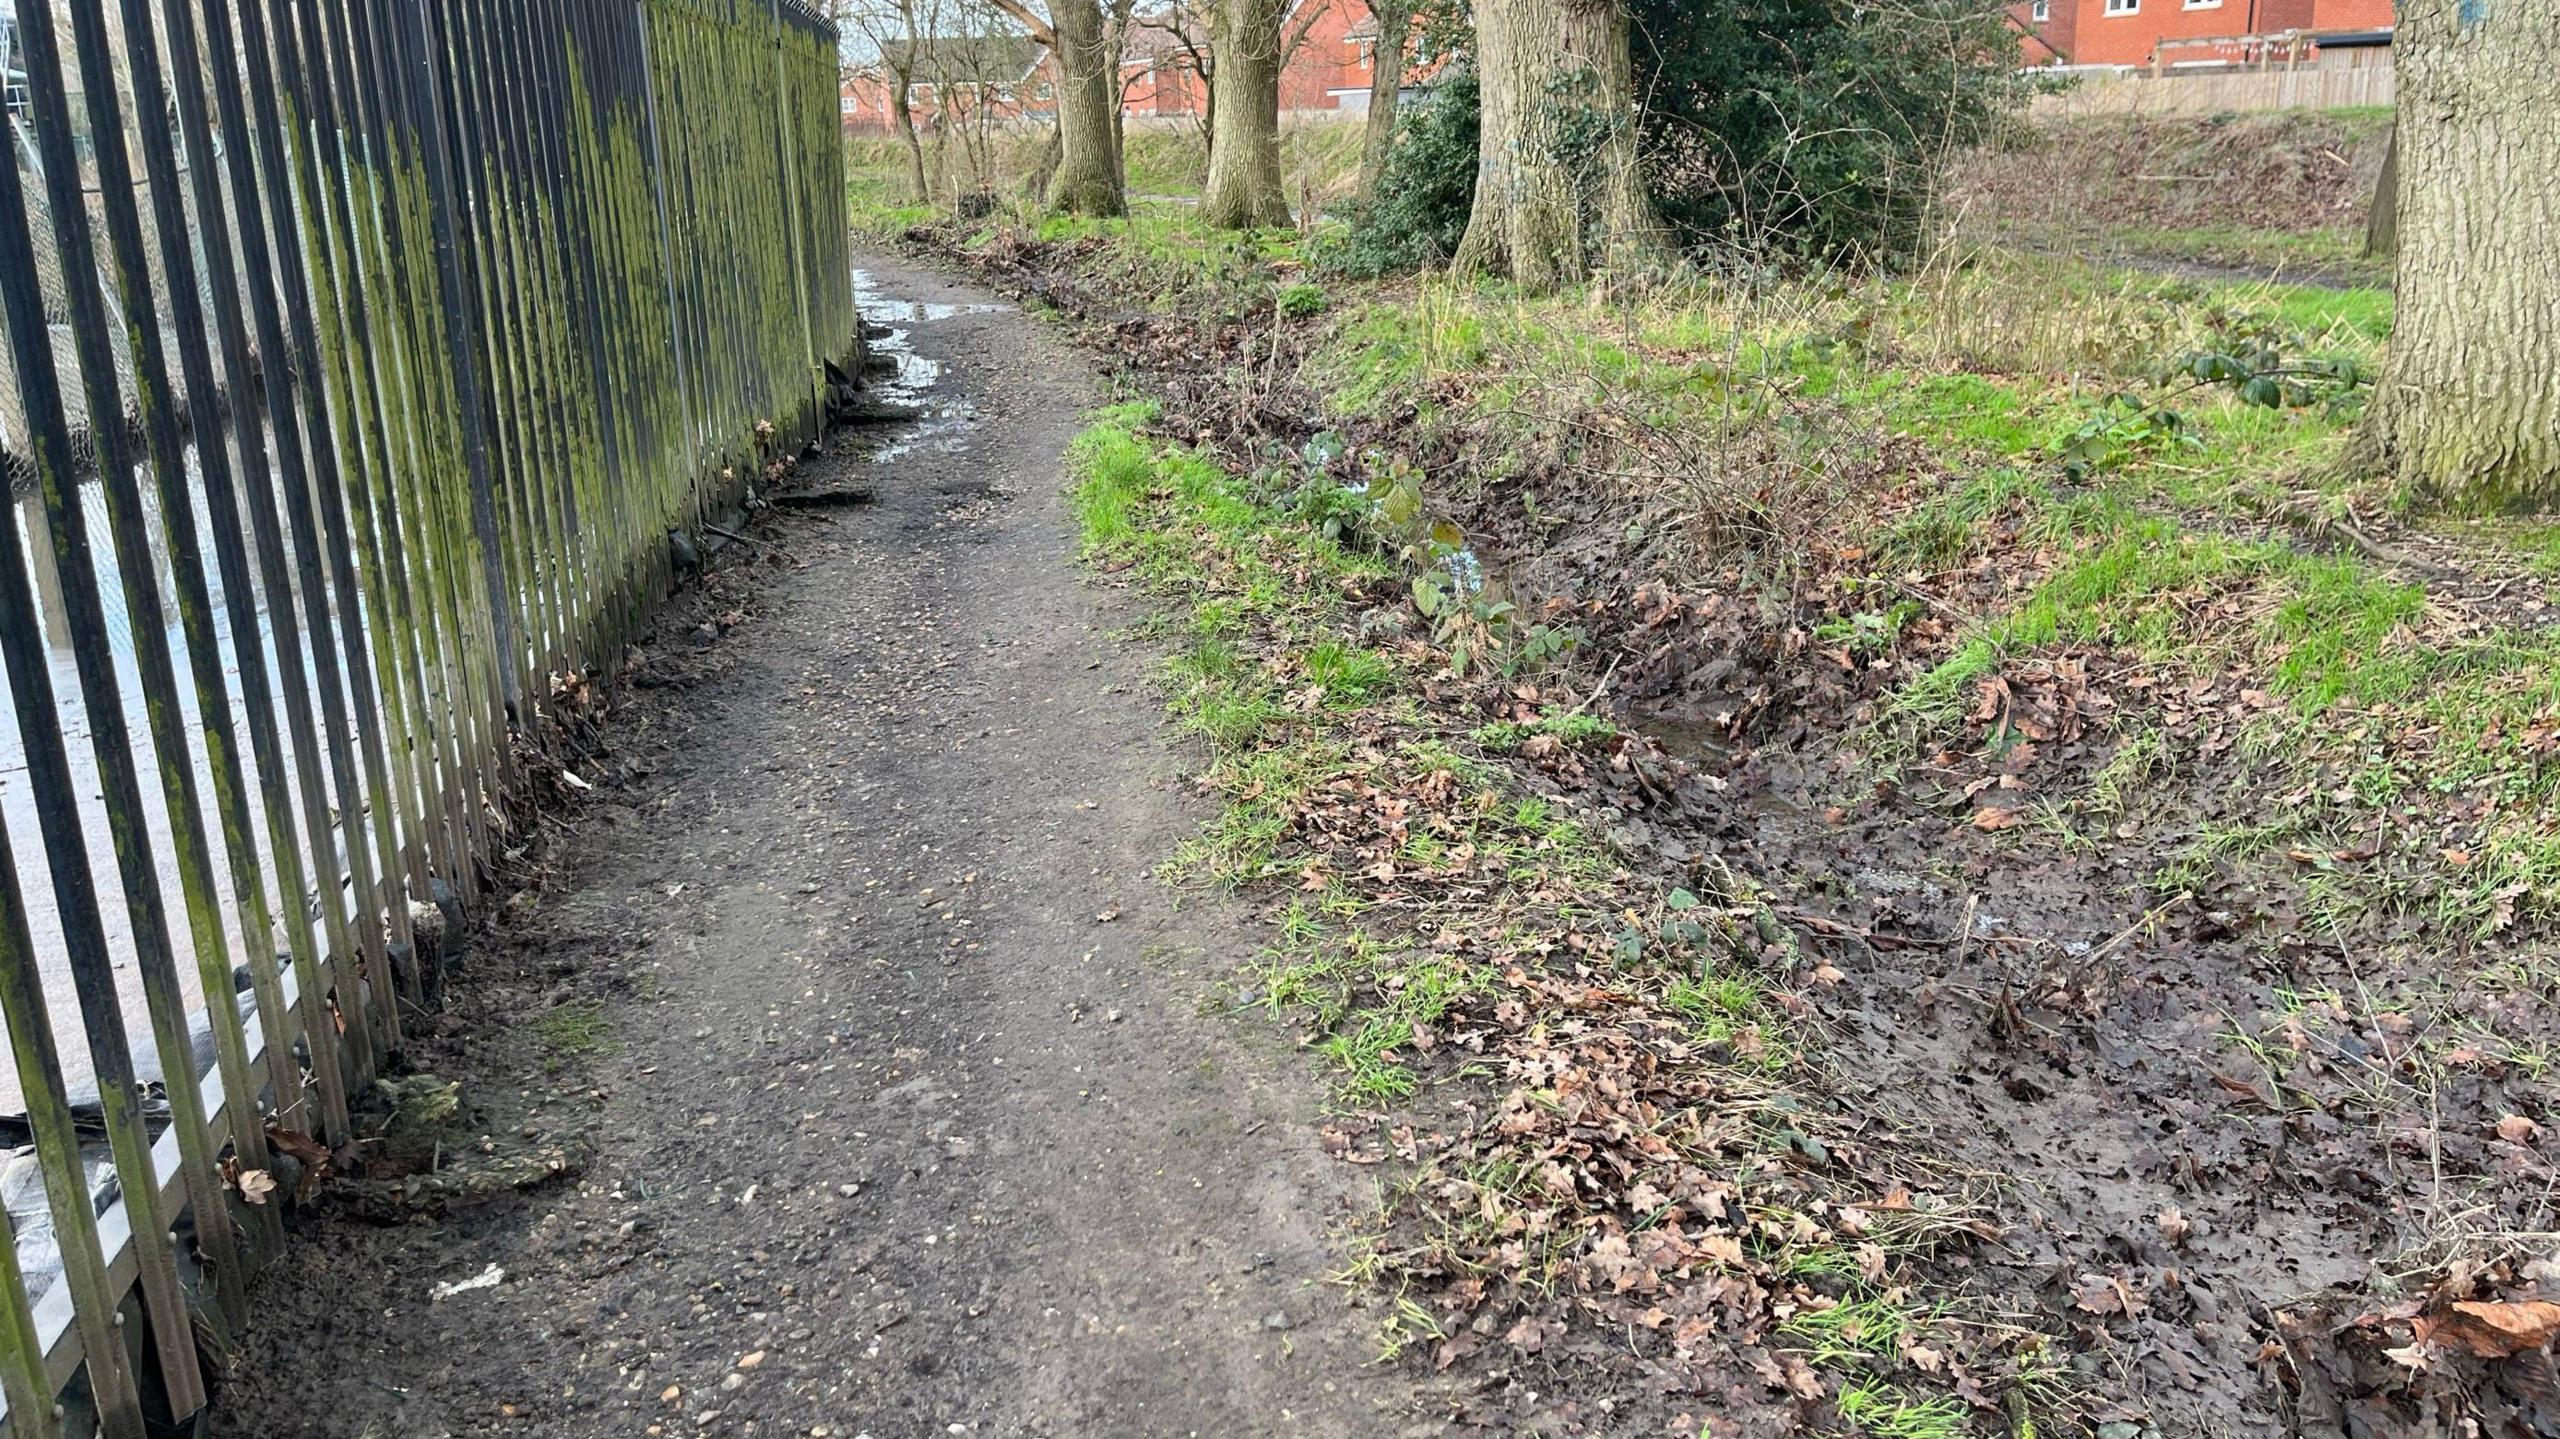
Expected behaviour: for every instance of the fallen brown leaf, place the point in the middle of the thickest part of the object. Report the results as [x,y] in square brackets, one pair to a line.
[2174,1226]
[2493,1330]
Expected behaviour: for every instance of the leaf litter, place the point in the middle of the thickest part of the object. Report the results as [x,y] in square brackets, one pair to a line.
[2064,1060]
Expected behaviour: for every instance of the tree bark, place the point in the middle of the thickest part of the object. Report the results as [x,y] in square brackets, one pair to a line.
[1089,178]
[903,115]
[2382,222]
[1035,186]
[1560,189]
[1184,23]
[2467,413]
[1119,38]
[1245,189]
[1386,87]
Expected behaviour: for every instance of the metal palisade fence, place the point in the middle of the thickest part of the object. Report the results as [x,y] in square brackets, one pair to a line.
[369,365]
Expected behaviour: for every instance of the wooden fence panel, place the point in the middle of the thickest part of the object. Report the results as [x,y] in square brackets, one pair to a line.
[2310,87]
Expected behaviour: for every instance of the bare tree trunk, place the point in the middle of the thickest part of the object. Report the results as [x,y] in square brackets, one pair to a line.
[1035,186]
[2467,412]
[1209,111]
[1245,189]
[1119,30]
[1089,180]
[2382,222]
[1386,87]
[903,115]
[1560,191]
[1183,23]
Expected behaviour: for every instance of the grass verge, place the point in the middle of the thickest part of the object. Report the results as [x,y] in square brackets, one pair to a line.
[1588,1083]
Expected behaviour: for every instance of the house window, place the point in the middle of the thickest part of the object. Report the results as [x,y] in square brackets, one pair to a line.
[2042,11]
[2204,4]
[2124,7]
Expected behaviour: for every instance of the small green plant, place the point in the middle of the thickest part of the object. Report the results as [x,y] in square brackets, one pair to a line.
[2140,757]
[1869,1329]
[1302,301]
[420,1102]
[1575,729]
[1867,632]
[1340,513]
[1478,628]
[1886,1412]
[2123,427]
[2266,366]
[1347,675]
[1408,1324]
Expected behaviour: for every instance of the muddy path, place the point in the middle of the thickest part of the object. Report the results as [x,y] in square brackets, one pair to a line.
[882,1075]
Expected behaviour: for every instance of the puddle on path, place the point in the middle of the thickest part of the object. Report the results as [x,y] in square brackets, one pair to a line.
[910,377]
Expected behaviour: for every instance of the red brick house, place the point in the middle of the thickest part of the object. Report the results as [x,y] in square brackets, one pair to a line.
[2166,34]
[1333,52]
[1333,49]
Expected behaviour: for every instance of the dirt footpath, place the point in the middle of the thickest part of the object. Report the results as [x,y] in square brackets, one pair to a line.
[892,1079]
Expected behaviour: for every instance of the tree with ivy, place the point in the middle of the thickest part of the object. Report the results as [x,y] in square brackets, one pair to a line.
[1787,129]
[1812,129]
[1560,183]
[2467,411]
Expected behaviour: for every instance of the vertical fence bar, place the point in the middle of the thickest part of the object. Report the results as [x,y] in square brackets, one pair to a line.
[271,367]
[447,341]
[477,171]
[30,1024]
[119,1089]
[429,318]
[315,510]
[680,339]
[66,1177]
[430,636]
[135,566]
[361,369]
[409,630]
[552,226]
[214,963]
[333,292]
[227,495]
[791,204]
[433,99]
[22,1374]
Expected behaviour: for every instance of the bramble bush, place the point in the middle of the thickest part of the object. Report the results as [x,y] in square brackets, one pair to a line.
[1816,129]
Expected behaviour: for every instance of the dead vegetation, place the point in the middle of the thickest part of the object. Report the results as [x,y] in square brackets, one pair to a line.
[2049,854]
